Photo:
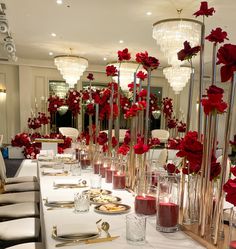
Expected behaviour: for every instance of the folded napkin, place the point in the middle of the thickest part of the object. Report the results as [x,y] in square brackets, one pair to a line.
[52,171]
[66,181]
[76,228]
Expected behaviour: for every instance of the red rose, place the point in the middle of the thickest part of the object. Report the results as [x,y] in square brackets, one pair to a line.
[188,52]
[204,10]
[114,142]
[153,142]
[171,123]
[171,168]
[111,70]
[143,93]
[102,138]
[181,127]
[174,143]
[123,149]
[215,170]
[217,36]
[85,95]
[124,55]
[131,86]
[227,56]
[233,170]
[90,76]
[230,189]
[141,75]
[140,148]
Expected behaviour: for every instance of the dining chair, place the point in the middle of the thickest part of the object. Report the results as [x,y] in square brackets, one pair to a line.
[1,140]
[32,245]
[19,210]
[162,159]
[10,180]
[19,230]
[20,197]
[162,135]
[69,132]
[20,187]
[121,134]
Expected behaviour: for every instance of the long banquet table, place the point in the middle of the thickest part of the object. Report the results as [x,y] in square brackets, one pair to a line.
[67,217]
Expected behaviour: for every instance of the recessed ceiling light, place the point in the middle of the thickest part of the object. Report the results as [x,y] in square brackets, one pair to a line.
[59,2]
[149,13]
[50,53]
[104,58]
[53,34]
[121,41]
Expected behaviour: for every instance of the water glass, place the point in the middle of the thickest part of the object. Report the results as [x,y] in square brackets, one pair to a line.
[81,202]
[75,169]
[232,228]
[135,228]
[96,181]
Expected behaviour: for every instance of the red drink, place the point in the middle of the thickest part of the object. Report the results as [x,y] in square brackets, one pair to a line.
[232,244]
[96,167]
[108,174]
[119,181]
[84,163]
[145,204]
[168,214]
[102,171]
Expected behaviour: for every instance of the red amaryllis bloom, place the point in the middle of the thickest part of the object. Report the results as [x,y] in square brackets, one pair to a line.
[90,76]
[102,138]
[114,142]
[127,137]
[230,189]
[172,123]
[148,62]
[143,93]
[227,56]
[181,126]
[124,55]
[217,36]
[111,70]
[140,147]
[191,167]
[204,10]
[215,168]
[233,170]
[133,110]
[214,102]
[131,86]
[171,168]
[188,52]
[123,149]
[141,75]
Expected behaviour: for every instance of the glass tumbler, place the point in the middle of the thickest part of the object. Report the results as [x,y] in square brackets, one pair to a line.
[81,202]
[75,169]
[95,181]
[135,228]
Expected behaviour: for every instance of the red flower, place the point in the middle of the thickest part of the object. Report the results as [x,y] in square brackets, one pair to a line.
[85,95]
[21,139]
[54,103]
[217,36]
[123,149]
[73,101]
[227,55]
[214,101]
[188,52]
[143,93]
[148,62]
[131,86]
[141,75]
[90,109]
[102,138]
[204,10]
[31,151]
[215,170]
[167,107]
[127,137]
[133,110]
[171,168]
[114,142]
[124,55]
[174,143]
[181,127]
[140,148]
[230,189]
[153,142]
[90,76]
[172,123]
[233,143]
[233,170]
[111,70]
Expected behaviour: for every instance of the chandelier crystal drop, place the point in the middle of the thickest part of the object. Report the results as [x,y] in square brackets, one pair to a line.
[71,67]
[127,70]
[178,77]
[170,35]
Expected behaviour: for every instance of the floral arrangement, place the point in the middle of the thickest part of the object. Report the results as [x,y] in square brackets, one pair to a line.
[54,103]
[20,140]
[167,107]
[37,122]
[73,101]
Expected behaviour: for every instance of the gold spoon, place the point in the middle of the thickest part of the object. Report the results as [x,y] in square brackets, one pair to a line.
[105,227]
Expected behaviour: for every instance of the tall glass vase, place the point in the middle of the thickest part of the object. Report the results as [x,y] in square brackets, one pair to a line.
[232,229]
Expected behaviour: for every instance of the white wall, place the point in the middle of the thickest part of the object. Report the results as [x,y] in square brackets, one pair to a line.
[29,81]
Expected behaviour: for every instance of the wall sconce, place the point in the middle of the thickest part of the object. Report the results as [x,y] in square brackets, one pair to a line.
[2,90]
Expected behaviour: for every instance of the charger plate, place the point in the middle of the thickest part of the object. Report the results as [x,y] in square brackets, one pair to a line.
[112,208]
[60,204]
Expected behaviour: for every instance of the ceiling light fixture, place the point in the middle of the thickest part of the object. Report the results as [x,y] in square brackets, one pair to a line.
[2,90]
[170,35]
[50,53]
[121,41]
[71,67]
[178,77]
[53,34]
[127,70]
[149,13]
[104,58]
[59,2]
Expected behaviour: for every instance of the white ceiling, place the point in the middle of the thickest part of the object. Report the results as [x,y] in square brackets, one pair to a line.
[93,28]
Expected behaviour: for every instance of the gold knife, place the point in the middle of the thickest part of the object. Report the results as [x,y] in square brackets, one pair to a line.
[89,241]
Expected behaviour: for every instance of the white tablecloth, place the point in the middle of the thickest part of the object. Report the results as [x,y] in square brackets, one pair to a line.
[59,217]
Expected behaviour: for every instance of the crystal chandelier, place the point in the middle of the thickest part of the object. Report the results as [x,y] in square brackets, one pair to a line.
[178,77]
[127,70]
[71,67]
[170,34]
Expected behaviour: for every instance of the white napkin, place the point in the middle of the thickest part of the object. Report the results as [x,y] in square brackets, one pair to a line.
[67,229]
[52,171]
[66,181]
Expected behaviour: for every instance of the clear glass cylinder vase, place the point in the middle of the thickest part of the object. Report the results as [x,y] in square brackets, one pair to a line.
[232,229]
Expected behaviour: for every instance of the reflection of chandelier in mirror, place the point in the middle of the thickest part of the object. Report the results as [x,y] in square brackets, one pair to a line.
[177,77]
[71,67]
[127,70]
[170,34]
